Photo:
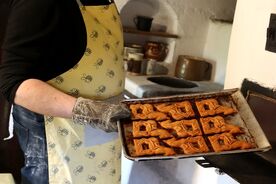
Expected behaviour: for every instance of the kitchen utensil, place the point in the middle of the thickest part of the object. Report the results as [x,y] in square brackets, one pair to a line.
[143,23]
[134,63]
[156,50]
[132,48]
[193,68]
[135,56]
[154,68]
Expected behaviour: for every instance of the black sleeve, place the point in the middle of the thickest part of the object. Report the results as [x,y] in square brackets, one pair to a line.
[36,33]
[30,25]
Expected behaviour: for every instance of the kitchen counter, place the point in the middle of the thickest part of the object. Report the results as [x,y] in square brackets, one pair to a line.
[142,87]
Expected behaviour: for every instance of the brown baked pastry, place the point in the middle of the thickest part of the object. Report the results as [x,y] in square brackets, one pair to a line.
[158,116]
[140,111]
[151,146]
[211,107]
[164,107]
[214,125]
[226,142]
[190,145]
[146,111]
[177,110]
[149,129]
[182,110]
[183,128]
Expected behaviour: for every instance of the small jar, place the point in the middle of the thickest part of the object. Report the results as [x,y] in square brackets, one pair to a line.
[134,63]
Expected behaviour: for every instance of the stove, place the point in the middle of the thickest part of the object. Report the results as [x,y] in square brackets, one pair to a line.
[144,86]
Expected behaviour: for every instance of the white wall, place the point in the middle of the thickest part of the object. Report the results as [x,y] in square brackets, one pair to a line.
[216,48]
[193,22]
[194,17]
[247,57]
[159,10]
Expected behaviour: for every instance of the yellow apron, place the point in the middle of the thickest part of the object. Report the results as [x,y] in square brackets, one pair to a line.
[99,75]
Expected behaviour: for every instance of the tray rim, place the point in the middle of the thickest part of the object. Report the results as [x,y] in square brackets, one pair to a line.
[189,96]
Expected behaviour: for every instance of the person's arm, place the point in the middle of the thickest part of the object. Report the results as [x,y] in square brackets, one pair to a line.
[40,97]
[23,55]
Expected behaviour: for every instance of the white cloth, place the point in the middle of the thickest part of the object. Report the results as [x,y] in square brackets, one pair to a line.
[11,128]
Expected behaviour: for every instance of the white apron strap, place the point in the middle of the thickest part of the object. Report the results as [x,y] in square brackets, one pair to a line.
[11,124]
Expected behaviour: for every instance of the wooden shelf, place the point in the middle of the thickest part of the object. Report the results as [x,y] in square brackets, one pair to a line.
[222,20]
[149,33]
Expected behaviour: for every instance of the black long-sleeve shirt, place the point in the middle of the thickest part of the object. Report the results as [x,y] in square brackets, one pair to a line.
[43,39]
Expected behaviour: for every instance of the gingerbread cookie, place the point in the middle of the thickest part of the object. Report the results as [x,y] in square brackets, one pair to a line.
[183,128]
[146,111]
[149,129]
[151,146]
[190,145]
[214,125]
[210,107]
[177,110]
[226,142]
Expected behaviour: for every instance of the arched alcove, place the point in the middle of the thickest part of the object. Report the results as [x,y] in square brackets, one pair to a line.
[163,15]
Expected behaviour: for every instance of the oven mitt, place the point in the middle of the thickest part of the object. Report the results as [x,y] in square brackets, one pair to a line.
[99,114]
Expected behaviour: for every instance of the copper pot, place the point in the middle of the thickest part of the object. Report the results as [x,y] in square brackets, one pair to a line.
[156,50]
[193,68]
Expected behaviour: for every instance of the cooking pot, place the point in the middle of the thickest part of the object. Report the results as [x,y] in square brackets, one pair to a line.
[193,68]
[156,50]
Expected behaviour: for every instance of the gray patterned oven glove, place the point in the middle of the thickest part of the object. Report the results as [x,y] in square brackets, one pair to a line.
[99,114]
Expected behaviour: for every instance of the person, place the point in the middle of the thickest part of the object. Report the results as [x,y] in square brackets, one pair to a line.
[61,60]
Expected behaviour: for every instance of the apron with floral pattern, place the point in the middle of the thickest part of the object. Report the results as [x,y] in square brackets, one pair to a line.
[98,75]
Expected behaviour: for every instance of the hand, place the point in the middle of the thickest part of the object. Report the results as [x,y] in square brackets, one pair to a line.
[99,114]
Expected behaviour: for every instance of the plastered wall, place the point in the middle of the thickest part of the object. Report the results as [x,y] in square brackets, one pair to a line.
[247,57]
[193,21]
[216,48]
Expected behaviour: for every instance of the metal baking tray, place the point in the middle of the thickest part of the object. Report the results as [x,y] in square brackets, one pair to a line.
[231,97]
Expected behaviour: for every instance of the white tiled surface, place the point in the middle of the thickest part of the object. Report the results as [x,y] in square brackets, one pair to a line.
[183,171]
[139,85]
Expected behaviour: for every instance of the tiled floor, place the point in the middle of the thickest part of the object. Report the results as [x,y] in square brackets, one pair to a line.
[184,171]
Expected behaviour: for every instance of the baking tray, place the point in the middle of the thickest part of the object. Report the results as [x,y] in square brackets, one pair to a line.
[231,97]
